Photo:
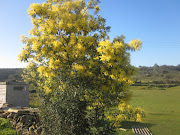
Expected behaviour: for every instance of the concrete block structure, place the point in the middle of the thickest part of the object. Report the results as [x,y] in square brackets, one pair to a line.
[14,93]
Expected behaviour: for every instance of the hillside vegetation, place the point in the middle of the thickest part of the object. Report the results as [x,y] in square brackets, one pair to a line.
[161,104]
[146,75]
[10,74]
[158,76]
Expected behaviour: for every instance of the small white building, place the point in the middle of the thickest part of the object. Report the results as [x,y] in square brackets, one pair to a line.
[14,93]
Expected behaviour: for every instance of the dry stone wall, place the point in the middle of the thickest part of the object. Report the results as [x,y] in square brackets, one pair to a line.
[24,121]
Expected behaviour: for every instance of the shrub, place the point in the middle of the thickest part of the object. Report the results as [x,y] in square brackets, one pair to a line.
[63,113]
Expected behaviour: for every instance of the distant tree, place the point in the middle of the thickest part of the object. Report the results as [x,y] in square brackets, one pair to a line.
[155,69]
[16,76]
[10,74]
[165,72]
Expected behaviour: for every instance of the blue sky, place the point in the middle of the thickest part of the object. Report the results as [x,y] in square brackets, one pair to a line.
[155,22]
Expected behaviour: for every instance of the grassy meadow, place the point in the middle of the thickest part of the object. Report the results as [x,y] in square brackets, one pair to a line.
[162,106]
[5,128]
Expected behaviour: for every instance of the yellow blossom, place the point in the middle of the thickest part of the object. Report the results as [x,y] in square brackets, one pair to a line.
[112,76]
[89,107]
[78,67]
[136,44]
[110,117]
[139,118]
[117,44]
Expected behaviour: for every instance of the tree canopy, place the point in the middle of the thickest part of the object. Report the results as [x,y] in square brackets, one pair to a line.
[67,41]
[69,44]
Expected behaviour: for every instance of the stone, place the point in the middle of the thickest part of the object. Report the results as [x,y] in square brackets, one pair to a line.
[26,120]
[31,130]
[13,110]
[38,130]
[11,115]
[13,123]
[19,128]
[27,123]
[5,114]
[25,132]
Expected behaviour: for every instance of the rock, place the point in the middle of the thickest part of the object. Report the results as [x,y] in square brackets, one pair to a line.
[6,105]
[15,117]
[13,123]
[25,121]
[25,132]
[31,130]
[31,133]
[19,129]
[38,124]
[11,115]
[5,114]
[21,112]
[13,110]
[38,131]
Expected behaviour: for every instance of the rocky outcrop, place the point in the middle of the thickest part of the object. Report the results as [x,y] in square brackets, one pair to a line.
[24,120]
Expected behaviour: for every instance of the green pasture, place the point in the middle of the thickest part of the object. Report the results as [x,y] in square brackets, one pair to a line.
[5,128]
[162,106]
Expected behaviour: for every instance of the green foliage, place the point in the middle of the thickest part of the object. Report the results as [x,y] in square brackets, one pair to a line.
[5,128]
[158,75]
[69,53]
[35,100]
[11,74]
[63,112]
[69,43]
[98,122]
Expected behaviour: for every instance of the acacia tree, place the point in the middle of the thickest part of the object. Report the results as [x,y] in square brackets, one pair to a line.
[68,44]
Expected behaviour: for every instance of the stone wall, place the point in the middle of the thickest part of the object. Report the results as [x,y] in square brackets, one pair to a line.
[24,121]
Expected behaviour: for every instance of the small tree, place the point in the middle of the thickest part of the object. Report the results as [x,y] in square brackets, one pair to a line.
[68,44]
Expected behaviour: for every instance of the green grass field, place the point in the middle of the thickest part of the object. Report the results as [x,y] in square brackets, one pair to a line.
[162,106]
[5,128]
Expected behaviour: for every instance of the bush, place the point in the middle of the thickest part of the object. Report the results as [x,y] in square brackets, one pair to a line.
[99,124]
[64,114]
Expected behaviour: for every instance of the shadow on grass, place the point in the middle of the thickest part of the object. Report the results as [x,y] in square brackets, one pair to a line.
[129,124]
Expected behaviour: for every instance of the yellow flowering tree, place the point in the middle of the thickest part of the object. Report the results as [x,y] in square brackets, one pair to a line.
[67,43]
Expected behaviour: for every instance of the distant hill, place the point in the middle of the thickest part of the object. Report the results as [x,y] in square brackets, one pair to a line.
[11,74]
[159,74]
